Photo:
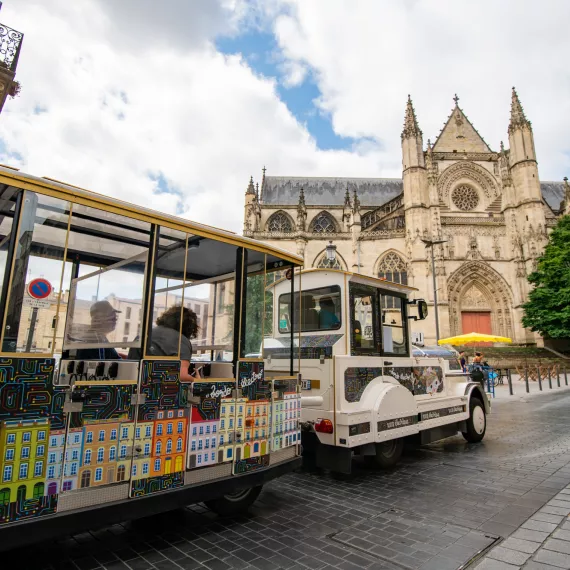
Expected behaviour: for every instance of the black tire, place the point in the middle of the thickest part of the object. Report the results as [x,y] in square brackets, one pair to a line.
[388,453]
[234,503]
[477,421]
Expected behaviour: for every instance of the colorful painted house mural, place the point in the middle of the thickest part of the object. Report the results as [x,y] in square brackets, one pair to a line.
[204,439]
[169,442]
[55,461]
[72,462]
[100,453]
[143,450]
[256,428]
[23,453]
[291,432]
[232,414]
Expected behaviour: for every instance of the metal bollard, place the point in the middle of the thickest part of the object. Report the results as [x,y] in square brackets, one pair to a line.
[558,374]
[510,380]
[549,379]
[539,378]
[526,379]
[565,376]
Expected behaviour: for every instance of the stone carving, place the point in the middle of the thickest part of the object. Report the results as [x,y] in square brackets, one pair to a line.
[473,298]
[465,197]
[467,170]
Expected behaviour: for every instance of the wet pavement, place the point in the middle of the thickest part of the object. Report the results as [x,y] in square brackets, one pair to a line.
[443,507]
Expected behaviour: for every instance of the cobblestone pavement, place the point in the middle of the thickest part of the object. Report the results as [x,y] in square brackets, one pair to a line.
[541,543]
[438,510]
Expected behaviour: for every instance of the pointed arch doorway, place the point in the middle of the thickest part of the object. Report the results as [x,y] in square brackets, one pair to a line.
[479,299]
[475,311]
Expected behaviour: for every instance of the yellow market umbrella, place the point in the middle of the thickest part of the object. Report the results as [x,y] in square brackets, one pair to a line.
[463,339]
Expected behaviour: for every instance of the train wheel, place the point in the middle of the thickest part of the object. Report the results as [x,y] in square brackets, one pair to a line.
[477,421]
[234,503]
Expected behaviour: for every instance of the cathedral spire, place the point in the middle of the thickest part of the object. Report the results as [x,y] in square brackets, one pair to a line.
[257,191]
[411,128]
[356,202]
[302,198]
[250,187]
[518,118]
[347,203]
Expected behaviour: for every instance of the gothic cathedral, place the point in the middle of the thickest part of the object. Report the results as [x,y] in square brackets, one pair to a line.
[490,208]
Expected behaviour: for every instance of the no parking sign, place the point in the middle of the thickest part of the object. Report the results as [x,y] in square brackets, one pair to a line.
[39,290]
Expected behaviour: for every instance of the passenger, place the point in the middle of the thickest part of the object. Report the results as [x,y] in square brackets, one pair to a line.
[103,321]
[327,317]
[166,337]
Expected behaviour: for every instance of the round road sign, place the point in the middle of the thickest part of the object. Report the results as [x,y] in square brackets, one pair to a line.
[39,288]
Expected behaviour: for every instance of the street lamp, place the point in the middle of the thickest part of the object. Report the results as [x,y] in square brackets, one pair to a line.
[330,251]
[430,244]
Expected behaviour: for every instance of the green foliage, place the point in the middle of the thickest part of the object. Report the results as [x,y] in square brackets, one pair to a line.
[548,308]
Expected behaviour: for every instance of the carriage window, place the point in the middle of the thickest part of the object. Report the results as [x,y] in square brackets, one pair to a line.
[36,277]
[365,338]
[8,197]
[109,255]
[167,321]
[319,309]
[394,333]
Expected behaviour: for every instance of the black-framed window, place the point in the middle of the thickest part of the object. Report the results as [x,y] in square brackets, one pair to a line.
[365,335]
[320,308]
[394,325]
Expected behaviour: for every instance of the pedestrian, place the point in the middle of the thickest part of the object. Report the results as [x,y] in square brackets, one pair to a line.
[463,361]
[478,358]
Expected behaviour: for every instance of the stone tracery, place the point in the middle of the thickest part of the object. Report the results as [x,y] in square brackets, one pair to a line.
[280,222]
[466,171]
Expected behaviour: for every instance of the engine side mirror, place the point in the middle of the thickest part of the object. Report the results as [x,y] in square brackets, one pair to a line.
[422,310]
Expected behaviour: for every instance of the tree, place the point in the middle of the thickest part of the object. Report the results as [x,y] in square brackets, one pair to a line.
[548,308]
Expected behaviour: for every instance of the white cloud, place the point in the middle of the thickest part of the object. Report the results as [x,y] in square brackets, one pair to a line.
[134,90]
[118,109]
[368,55]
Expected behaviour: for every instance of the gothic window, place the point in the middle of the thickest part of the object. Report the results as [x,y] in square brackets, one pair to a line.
[280,222]
[465,198]
[393,268]
[323,224]
[324,263]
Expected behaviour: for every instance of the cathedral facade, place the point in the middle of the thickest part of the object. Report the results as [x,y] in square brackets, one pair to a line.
[489,207]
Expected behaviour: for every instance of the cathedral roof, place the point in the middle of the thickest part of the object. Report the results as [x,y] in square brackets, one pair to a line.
[459,134]
[372,192]
[553,193]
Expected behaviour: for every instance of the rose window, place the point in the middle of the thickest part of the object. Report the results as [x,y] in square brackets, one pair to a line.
[465,198]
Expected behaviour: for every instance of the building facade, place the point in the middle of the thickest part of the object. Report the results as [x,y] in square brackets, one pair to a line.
[489,206]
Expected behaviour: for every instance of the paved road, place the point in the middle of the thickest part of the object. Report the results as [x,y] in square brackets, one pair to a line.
[442,506]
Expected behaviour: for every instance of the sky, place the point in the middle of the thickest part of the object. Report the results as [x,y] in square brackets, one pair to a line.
[175,104]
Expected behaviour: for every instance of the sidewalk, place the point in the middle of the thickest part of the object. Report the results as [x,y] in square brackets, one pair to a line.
[541,543]
[519,388]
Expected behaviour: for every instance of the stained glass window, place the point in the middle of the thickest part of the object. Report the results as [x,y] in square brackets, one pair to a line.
[392,267]
[280,222]
[323,224]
